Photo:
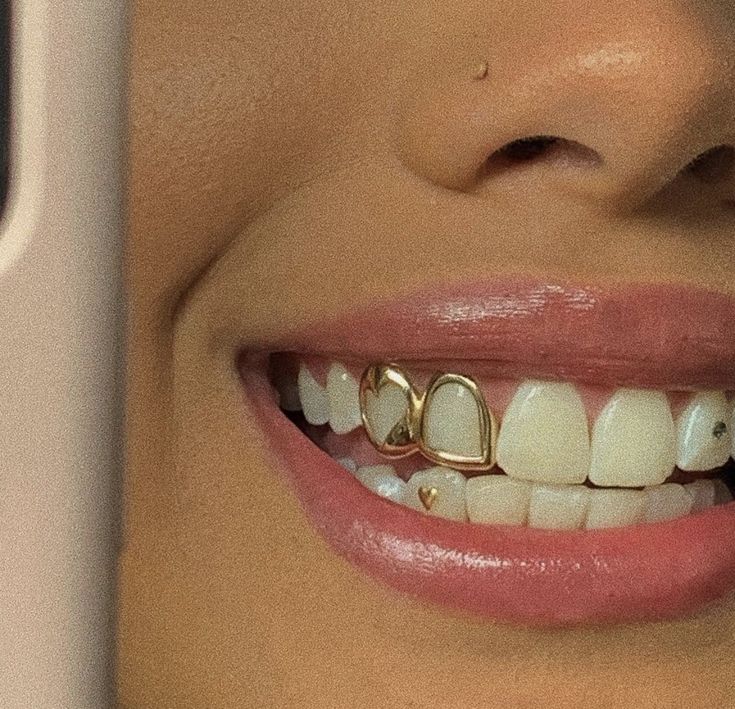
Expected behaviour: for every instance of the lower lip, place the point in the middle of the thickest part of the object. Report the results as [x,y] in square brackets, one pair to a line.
[512,574]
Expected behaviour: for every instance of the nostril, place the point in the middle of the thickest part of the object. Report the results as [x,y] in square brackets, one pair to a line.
[542,148]
[525,149]
[714,165]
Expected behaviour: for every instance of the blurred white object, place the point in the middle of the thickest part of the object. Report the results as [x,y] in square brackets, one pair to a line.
[60,354]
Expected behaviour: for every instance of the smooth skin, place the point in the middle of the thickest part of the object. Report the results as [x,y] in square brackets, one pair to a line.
[292,159]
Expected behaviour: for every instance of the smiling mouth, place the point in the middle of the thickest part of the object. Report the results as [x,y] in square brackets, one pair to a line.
[535,453]
[546,454]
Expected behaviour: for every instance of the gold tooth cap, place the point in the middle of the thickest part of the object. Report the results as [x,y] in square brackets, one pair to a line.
[382,387]
[483,458]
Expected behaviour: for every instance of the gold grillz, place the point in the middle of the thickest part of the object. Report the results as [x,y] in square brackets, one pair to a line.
[396,417]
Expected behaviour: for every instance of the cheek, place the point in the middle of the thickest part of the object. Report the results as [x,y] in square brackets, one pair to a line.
[226,122]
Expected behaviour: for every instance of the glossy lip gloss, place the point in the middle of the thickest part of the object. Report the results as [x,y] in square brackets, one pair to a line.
[648,336]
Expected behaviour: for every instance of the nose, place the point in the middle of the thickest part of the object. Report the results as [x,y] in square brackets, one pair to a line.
[608,105]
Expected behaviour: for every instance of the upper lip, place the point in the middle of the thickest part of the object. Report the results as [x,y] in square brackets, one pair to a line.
[661,336]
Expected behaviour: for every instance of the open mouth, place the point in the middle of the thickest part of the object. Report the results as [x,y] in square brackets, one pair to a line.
[534,498]
[509,452]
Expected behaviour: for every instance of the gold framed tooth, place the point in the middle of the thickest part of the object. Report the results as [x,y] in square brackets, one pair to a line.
[464,434]
[390,409]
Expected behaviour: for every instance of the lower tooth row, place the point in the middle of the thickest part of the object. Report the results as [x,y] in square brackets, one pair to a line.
[498,499]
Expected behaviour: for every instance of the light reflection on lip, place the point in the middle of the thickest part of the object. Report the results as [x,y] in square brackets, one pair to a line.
[649,335]
[658,336]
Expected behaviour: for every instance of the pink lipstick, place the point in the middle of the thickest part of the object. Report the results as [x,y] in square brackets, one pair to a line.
[645,336]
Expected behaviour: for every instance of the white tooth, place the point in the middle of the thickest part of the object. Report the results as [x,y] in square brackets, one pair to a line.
[449,497]
[313,397]
[633,440]
[722,492]
[702,493]
[667,501]
[615,508]
[451,421]
[497,499]
[382,480]
[385,410]
[348,463]
[344,399]
[544,435]
[704,439]
[558,506]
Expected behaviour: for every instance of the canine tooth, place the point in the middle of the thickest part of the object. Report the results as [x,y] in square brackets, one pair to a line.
[702,493]
[313,397]
[448,500]
[455,422]
[382,480]
[722,492]
[704,438]
[343,393]
[348,463]
[544,436]
[615,508]
[633,440]
[497,499]
[667,501]
[558,506]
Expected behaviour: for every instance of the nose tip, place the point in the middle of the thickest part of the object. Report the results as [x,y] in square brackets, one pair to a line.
[612,115]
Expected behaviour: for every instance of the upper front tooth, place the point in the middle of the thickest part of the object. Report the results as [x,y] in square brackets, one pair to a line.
[703,432]
[452,421]
[313,397]
[443,492]
[544,435]
[389,404]
[633,440]
[344,399]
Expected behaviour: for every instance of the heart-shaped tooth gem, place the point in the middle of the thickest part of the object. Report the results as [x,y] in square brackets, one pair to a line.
[390,409]
[427,495]
[456,428]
